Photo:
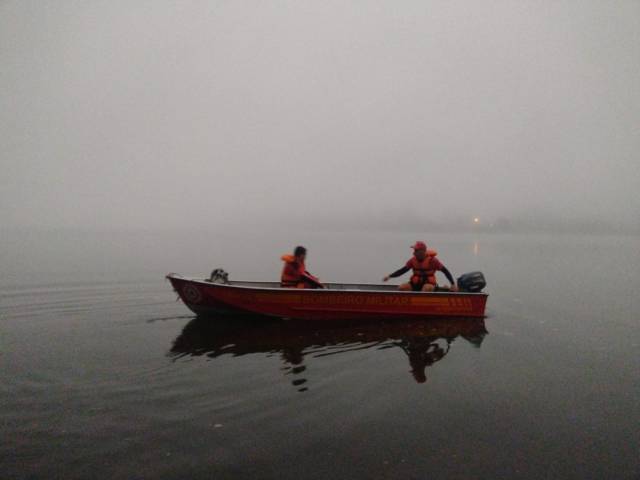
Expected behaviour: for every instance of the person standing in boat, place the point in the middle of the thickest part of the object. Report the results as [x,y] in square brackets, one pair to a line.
[294,272]
[424,265]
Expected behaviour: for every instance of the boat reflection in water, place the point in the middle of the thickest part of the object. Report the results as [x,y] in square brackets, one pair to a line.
[425,342]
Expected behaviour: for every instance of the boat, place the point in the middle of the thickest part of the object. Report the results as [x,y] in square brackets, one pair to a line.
[337,301]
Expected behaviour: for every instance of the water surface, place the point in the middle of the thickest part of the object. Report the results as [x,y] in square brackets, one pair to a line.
[105,375]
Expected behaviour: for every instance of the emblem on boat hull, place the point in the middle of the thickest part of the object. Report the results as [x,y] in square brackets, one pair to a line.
[191,294]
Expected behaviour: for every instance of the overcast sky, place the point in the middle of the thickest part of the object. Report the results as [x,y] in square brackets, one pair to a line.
[181,114]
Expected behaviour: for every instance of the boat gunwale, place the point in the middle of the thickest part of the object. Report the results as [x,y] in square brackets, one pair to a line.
[319,290]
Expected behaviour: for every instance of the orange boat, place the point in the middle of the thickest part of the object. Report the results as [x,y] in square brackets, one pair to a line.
[337,301]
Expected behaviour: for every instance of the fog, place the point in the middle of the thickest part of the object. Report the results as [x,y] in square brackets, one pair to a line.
[336,115]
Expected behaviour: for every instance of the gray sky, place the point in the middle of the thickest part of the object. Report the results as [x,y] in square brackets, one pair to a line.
[180,114]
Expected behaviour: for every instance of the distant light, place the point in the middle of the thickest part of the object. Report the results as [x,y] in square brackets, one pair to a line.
[476,220]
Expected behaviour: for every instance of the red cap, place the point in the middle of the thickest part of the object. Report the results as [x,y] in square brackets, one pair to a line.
[419,246]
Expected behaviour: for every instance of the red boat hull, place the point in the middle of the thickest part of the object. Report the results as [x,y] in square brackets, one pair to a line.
[205,298]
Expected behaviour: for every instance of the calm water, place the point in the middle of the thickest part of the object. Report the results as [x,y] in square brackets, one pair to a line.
[104,375]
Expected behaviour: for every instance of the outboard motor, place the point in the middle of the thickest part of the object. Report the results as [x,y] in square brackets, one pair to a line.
[219,276]
[472,282]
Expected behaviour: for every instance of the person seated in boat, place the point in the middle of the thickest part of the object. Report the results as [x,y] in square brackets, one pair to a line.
[424,265]
[294,272]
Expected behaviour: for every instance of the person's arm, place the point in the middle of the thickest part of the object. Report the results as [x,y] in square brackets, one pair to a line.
[447,274]
[310,275]
[313,279]
[397,273]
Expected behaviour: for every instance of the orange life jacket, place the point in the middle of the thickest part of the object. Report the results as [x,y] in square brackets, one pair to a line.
[423,271]
[292,272]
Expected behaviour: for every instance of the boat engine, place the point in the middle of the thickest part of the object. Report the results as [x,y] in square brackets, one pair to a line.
[219,276]
[471,282]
